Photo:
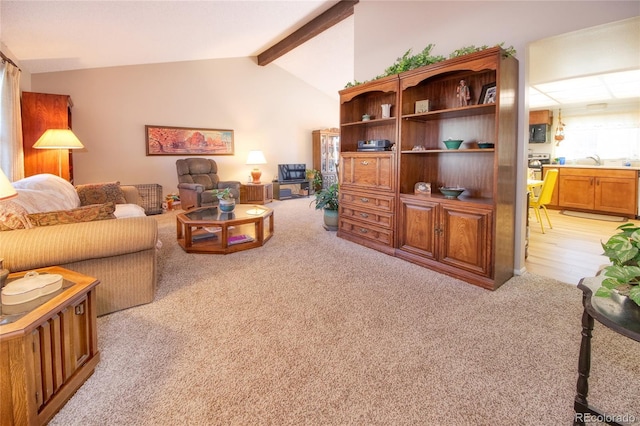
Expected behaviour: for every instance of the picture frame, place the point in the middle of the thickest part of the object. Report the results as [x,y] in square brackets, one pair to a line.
[169,140]
[422,106]
[488,94]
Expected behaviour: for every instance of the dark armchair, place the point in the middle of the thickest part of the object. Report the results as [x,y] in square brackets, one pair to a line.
[196,178]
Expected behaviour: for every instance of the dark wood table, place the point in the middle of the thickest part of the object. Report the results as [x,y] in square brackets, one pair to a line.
[621,316]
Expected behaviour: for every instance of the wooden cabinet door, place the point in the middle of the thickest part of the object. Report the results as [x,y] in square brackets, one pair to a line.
[466,238]
[576,191]
[616,195]
[40,112]
[367,171]
[418,228]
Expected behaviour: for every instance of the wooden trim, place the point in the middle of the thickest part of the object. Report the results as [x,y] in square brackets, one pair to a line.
[341,10]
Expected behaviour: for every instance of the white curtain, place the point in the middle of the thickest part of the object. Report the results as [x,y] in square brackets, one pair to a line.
[11,153]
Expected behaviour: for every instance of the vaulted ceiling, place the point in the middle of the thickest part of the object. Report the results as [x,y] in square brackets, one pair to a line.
[47,36]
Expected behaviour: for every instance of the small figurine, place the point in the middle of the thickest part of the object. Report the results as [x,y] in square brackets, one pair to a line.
[463,93]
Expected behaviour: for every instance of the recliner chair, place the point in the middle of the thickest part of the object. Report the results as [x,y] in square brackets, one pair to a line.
[196,178]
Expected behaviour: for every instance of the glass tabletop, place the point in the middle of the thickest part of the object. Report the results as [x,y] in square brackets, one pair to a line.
[241,211]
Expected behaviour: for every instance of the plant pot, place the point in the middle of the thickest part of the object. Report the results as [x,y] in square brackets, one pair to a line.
[227,206]
[330,220]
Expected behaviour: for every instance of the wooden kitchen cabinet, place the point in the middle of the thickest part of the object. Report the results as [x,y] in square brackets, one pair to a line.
[47,353]
[540,117]
[40,112]
[598,190]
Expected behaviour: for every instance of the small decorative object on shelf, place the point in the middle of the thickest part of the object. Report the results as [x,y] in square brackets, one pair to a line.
[463,93]
[422,188]
[386,110]
[422,106]
[451,193]
[366,117]
[453,143]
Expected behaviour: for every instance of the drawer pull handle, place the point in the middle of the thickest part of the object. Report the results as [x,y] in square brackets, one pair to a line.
[363,230]
[364,200]
[364,163]
[364,215]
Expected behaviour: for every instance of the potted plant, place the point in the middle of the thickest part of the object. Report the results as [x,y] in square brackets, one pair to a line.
[327,199]
[623,275]
[226,200]
[315,177]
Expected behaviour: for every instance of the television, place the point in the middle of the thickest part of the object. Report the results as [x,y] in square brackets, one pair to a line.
[292,172]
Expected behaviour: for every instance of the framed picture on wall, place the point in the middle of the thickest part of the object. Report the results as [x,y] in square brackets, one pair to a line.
[166,140]
[488,94]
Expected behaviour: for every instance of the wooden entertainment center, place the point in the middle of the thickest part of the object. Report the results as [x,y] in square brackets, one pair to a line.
[470,237]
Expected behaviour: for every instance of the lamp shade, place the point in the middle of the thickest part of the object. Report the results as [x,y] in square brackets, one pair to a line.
[58,139]
[256,157]
[6,189]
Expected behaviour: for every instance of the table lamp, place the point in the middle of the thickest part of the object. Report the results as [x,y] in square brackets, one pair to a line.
[58,139]
[6,189]
[255,158]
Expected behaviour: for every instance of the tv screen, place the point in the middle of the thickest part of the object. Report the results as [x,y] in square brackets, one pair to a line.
[287,172]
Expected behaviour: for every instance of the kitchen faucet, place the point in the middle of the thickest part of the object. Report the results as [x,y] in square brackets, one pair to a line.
[597,159]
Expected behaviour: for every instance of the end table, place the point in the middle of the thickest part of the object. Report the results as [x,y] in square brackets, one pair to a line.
[49,351]
[256,193]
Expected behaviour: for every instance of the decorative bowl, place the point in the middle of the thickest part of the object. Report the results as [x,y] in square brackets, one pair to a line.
[453,143]
[451,193]
[485,145]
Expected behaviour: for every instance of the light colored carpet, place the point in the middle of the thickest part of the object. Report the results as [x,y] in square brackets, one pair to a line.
[594,216]
[314,330]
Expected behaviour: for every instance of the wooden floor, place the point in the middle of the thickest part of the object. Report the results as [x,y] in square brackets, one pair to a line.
[569,251]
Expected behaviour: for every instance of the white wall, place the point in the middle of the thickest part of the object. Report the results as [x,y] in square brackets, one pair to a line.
[267,108]
[385,30]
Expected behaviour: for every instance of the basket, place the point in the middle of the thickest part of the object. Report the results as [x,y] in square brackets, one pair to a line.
[150,197]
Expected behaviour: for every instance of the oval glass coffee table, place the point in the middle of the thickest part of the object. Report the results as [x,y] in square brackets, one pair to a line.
[210,230]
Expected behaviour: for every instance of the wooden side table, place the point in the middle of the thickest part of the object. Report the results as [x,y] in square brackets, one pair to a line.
[48,352]
[256,193]
[621,317]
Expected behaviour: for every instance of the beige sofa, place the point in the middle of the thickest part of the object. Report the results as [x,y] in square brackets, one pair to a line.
[121,253]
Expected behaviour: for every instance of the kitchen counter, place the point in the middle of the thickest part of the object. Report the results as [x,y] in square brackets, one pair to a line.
[588,166]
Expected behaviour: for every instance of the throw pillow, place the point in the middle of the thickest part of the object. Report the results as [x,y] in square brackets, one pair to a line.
[100,193]
[81,214]
[12,216]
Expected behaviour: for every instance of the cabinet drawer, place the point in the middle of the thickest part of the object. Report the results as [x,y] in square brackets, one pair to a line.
[367,231]
[365,201]
[384,220]
[367,171]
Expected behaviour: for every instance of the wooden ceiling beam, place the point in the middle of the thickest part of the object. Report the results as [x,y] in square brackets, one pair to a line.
[341,10]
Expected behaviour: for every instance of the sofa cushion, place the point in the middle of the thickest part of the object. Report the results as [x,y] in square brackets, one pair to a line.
[100,193]
[81,214]
[13,216]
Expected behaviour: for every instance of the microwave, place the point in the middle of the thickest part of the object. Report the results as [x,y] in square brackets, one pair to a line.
[538,133]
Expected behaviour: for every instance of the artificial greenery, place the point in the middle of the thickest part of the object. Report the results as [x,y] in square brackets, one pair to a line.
[623,276]
[223,194]
[408,61]
[327,198]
